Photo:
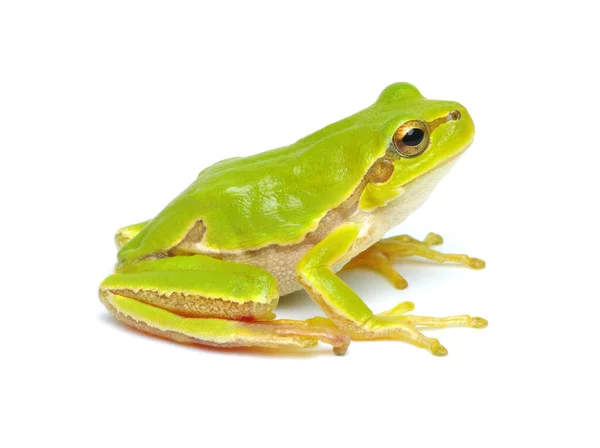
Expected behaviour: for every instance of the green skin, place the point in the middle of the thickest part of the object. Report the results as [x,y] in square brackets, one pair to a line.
[276,200]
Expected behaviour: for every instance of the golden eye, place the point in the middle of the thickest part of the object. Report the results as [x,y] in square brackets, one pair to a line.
[411,139]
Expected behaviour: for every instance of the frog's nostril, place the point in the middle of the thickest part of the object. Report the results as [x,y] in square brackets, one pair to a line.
[453,116]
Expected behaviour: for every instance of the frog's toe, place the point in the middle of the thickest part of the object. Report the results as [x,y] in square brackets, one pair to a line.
[438,349]
[378,261]
[477,263]
[478,322]
[401,308]
[432,239]
[462,320]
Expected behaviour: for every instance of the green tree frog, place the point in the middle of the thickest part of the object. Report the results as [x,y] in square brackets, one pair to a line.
[210,267]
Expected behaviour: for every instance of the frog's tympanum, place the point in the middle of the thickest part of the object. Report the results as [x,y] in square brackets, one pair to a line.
[210,267]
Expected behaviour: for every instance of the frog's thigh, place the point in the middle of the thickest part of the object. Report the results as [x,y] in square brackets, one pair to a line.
[198,286]
[198,299]
[126,234]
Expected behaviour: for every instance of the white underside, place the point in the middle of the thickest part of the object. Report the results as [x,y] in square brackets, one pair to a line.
[376,223]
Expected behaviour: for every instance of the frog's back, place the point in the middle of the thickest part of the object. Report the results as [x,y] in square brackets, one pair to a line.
[275,197]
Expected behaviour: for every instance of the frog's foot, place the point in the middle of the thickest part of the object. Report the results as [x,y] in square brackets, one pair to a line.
[381,256]
[395,324]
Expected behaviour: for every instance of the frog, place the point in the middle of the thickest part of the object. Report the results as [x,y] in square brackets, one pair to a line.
[211,267]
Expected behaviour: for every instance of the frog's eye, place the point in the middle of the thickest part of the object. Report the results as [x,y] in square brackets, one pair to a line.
[411,139]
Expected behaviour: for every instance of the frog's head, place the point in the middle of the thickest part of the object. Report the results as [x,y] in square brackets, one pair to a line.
[423,138]
[423,133]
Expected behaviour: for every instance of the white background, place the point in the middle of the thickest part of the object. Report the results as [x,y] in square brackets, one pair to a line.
[109,109]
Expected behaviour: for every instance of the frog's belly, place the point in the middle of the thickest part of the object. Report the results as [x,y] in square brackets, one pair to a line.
[281,261]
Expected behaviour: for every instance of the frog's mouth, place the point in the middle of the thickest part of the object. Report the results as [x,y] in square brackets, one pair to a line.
[444,166]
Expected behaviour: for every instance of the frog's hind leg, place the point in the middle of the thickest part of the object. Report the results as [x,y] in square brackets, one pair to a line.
[126,234]
[223,332]
[201,300]
[381,256]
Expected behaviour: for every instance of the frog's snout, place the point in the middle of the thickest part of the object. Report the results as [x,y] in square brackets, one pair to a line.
[453,115]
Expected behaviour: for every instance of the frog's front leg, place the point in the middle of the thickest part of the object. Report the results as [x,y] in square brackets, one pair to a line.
[201,300]
[381,256]
[346,309]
